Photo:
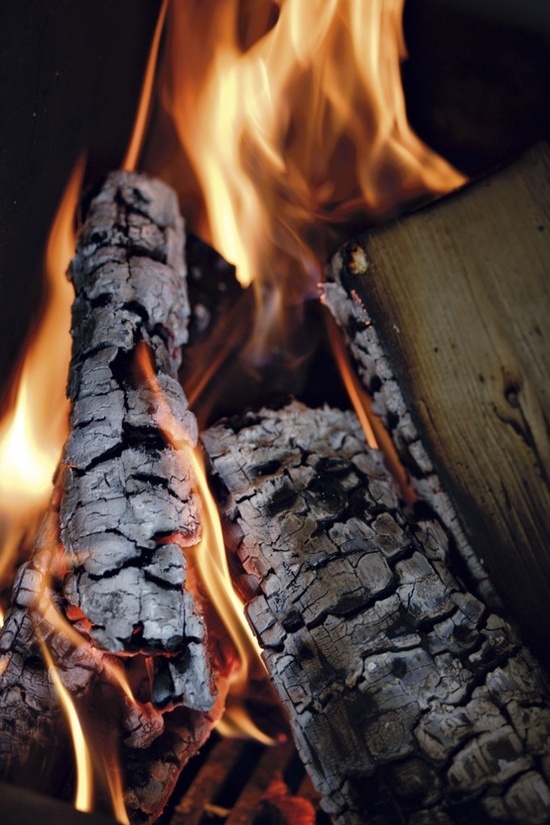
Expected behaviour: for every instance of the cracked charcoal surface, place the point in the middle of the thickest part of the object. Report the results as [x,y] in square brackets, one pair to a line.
[129,512]
[378,379]
[129,516]
[409,700]
[30,713]
[153,746]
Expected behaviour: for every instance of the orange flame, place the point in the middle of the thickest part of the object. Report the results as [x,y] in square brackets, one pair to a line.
[33,430]
[210,555]
[84,775]
[293,119]
[140,124]
[376,435]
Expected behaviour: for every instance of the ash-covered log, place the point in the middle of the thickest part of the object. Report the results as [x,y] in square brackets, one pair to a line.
[445,312]
[129,509]
[112,579]
[409,700]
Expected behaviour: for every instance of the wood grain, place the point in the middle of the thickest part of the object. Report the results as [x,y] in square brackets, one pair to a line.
[459,296]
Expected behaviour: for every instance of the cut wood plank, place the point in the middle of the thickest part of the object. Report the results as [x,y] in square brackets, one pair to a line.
[446,311]
[409,701]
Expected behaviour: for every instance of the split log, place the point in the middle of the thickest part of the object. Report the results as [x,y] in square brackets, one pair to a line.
[112,578]
[445,311]
[409,700]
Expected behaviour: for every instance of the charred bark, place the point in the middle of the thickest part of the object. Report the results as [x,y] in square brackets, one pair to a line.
[129,511]
[409,700]
[153,746]
[112,581]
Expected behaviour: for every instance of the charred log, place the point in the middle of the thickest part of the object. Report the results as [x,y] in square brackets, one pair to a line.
[153,746]
[409,700]
[129,509]
[111,579]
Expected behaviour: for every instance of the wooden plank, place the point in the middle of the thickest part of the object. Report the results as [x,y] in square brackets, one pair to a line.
[459,296]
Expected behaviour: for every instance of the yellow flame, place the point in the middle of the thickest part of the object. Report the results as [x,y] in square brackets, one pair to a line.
[84,774]
[237,724]
[114,782]
[33,430]
[210,554]
[376,435]
[133,151]
[290,122]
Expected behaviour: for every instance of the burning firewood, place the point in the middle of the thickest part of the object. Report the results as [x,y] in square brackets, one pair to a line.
[112,578]
[444,311]
[407,697]
[129,509]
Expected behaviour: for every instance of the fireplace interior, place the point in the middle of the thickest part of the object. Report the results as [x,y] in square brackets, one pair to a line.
[475,85]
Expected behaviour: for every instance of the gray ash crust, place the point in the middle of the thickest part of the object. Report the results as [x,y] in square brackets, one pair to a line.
[410,701]
[129,512]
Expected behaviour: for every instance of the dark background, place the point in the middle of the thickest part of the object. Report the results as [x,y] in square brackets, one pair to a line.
[70,75]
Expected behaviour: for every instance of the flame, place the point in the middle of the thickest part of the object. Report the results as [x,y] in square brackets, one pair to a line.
[114,782]
[84,774]
[210,555]
[293,118]
[140,124]
[376,435]
[33,430]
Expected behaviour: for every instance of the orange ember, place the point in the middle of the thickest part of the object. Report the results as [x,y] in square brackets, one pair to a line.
[210,556]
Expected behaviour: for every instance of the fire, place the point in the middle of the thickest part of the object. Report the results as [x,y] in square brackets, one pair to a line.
[84,776]
[34,428]
[375,432]
[293,118]
[140,124]
[210,555]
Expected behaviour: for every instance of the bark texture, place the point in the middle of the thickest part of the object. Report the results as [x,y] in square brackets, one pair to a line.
[378,378]
[111,585]
[153,745]
[445,311]
[409,700]
[129,512]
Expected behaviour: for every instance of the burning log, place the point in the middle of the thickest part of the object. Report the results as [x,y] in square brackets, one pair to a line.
[114,576]
[129,509]
[407,697]
[445,311]
[154,746]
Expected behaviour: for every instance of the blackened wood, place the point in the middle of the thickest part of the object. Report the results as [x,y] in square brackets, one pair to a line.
[130,512]
[458,358]
[32,731]
[35,749]
[151,774]
[409,701]
[109,580]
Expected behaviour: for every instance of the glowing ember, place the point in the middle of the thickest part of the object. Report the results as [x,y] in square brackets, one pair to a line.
[210,555]
[293,120]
